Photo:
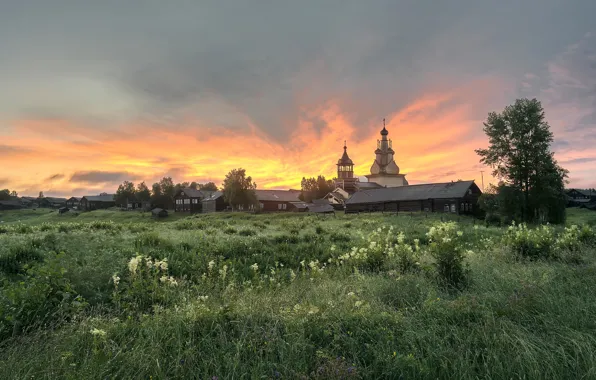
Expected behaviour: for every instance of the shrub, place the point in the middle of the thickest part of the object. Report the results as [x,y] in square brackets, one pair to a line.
[230,230]
[107,225]
[144,283]
[45,226]
[247,232]
[319,229]
[18,257]
[450,267]
[529,243]
[150,240]
[44,295]
[23,229]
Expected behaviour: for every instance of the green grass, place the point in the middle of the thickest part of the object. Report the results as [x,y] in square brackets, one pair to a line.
[301,312]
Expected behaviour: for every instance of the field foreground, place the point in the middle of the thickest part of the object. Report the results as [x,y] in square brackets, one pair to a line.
[116,295]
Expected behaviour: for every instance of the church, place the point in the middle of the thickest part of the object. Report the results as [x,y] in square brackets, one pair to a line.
[388,190]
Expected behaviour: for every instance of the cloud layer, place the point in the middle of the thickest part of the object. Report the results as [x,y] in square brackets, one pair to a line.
[104,92]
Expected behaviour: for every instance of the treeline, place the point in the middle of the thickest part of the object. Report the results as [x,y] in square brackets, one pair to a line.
[161,193]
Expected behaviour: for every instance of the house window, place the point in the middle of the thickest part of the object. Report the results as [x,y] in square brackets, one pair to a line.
[195,201]
[453,207]
[262,205]
[279,206]
[446,208]
[461,207]
[187,201]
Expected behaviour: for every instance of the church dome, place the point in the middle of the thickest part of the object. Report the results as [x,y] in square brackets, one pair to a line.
[392,168]
[345,159]
[384,131]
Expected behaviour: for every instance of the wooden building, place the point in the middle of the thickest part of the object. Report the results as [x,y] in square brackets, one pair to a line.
[73,202]
[97,202]
[277,200]
[52,202]
[188,200]
[13,204]
[580,195]
[213,201]
[459,197]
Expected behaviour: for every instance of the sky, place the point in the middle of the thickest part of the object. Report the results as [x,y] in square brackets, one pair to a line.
[95,93]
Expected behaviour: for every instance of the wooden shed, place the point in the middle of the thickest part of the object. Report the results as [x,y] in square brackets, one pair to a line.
[213,201]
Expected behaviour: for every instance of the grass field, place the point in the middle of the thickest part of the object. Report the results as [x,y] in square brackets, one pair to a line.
[118,295]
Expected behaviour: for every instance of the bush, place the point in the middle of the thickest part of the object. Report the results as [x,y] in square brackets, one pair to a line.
[44,295]
[451,269]
[247,232]
[230,230]
[529,243]
[150,240]
[144,283]
[18,257]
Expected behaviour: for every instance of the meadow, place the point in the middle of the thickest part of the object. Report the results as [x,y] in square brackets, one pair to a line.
[119,295]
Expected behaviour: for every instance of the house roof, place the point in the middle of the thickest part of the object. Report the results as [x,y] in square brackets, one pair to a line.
[56,200]
[99,198]
[367,185]
[11,203]
[212,195]
[300,205]
[412,192]
[321,208]
[337,195]
[278,195]
[74,198]
[30,198]
[585,192]
[189,191]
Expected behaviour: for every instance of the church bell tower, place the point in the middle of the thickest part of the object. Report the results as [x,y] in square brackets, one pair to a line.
[345,172]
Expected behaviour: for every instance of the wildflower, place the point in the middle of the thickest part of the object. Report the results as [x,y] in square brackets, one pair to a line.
[446,240]
[98,332]
[351,294]
[460,233]
[292,275]
[223,272]
[203,298]
[172,281]
[149,262]
[163,278]
[358,303]
[302,263]
[476,227]
[211,264]
[116,279]
[333,248]
[134,263]
[163,264]
[254,267]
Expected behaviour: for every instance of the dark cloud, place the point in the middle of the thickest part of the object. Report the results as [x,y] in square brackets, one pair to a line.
[102,177]
[55,177]
[9,149]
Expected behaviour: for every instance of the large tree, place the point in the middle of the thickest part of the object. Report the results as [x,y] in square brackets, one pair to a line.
[126,191]
[520,156]
[239,189]
[4,195]
[143,193]
[209,186]
[315,188]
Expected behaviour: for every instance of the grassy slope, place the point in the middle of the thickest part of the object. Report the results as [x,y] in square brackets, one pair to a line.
[517,320]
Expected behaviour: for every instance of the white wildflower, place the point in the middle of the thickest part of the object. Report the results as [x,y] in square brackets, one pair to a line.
[358,303]
[98,332]
[211,264]
[134,263]
[116,279]
[460,233]
[203,298]
[254,267]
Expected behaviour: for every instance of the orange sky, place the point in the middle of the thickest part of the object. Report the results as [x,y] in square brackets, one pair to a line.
[431,145]
[434,138]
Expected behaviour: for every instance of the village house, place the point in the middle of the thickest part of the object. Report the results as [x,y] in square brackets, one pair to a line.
[189,200]
[13,204]
[277,200]
[459,197]
[52,202]
[97,202]
[73,202]
[581,195]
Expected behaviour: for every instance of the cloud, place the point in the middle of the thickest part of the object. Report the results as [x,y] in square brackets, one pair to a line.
[55,177]
[102,177]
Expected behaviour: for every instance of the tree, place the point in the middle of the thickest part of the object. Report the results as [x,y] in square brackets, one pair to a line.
[125,191]
[209,186]
[194,185]
[143,193]
[14,194]
[519,154]
[41,194]
[315,188]
[4,195]
[238,189]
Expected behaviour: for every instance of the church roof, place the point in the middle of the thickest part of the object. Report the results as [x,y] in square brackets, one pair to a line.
[345,159]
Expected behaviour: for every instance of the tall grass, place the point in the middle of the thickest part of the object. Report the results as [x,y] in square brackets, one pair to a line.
[290,296]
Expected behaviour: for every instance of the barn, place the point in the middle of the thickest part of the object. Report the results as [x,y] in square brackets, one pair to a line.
[73,202]
[97,202]
[459,197]
[277,200]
